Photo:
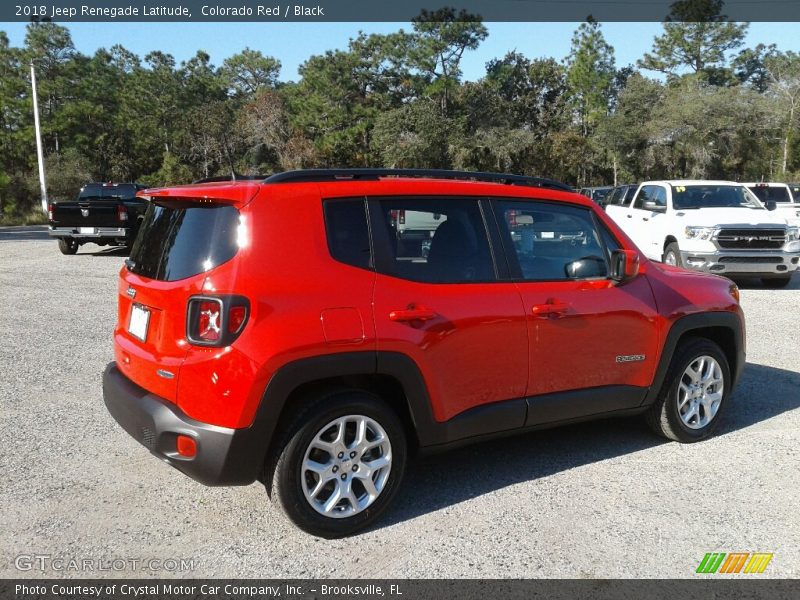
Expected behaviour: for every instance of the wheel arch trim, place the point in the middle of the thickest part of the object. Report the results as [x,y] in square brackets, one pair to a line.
[701,323]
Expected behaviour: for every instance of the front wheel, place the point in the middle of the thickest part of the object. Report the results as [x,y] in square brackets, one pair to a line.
[340,464]
[672,255]
[776,282]
[693,394]
[68,245]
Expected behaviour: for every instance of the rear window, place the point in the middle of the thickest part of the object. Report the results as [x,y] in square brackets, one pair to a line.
[179,240]
[124,191]
[766,193]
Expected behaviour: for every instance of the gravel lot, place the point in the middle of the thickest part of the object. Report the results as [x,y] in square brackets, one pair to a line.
[604,499]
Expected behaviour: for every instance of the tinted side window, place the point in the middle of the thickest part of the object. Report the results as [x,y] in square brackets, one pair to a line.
[435,240]
[629,195]
[552,242]
[348,235]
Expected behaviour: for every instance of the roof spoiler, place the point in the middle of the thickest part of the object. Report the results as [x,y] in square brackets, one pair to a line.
[237,193]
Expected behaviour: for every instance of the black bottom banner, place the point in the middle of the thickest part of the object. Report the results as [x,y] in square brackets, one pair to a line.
[400,589]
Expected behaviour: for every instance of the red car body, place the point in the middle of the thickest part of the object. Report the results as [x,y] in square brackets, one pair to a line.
[461,361]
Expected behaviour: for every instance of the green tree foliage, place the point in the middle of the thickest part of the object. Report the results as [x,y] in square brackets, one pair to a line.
[249,71]
[722,110]
[590,75]
[440,41]
[697,39]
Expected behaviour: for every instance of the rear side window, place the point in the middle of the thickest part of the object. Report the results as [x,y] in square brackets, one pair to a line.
[178,240]
[348,235]
[433,240]
[551,242]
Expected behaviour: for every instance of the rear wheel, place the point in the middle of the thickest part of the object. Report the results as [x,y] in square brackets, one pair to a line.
[776,282]
[67,245]
[672,255]
[693,394]
[340,464]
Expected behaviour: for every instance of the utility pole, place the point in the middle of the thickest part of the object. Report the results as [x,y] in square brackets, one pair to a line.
[39,153]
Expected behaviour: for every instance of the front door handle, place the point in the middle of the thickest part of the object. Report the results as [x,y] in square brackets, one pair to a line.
[645,218]
[629,216]
[412,313]
[551,307]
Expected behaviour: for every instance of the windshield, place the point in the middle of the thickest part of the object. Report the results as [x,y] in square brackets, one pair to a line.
[124,191]
[712,196]
[775,193]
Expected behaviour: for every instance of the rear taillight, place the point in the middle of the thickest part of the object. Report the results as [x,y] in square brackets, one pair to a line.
[50,212]
[216,320]
[122,212]
[236,318]
[401,217]
[209,320]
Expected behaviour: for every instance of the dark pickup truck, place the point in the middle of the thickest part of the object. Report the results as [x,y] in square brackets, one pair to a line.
[104,214]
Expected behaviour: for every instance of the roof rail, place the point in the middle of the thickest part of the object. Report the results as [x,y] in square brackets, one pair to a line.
[234,177]
[320,175]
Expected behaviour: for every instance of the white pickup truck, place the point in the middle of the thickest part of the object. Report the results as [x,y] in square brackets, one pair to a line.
[780,196]
[712,226]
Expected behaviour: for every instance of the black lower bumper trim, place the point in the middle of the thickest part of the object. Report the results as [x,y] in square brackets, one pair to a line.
[224,456]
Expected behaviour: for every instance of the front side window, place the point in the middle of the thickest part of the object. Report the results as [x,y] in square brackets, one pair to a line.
[551,242]
[433,240]
[654,194]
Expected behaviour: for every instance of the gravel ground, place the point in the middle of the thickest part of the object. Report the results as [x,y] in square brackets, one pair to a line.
[603,499]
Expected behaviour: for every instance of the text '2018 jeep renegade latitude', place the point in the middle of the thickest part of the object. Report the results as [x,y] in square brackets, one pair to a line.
[283,331]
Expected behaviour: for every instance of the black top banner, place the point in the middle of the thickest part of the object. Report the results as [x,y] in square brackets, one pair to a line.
[66,11]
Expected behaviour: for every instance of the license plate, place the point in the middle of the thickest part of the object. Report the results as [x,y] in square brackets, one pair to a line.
[140,319]
[87,230]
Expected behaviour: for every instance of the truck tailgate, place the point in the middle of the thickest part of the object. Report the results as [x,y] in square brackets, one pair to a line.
[86,213]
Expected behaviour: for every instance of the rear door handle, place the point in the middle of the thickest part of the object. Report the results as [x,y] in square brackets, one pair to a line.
[418,313]
[549,308]
[645,218]
[629,216]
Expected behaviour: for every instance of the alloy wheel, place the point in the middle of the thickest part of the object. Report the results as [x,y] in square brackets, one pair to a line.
[346,466]
[700,392]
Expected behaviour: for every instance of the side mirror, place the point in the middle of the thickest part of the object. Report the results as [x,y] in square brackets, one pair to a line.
[624,265]
[770,204]
[654,206]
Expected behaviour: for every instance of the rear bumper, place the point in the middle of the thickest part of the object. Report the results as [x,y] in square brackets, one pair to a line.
[99,232]
[763,263]
[224,456]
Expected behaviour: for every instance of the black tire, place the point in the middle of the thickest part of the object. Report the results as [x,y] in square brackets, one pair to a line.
[284,466]
[663,417]
[672,249]
[776,282]
[67,245]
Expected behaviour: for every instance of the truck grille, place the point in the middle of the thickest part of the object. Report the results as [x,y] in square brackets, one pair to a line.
[766,260]
[751,238]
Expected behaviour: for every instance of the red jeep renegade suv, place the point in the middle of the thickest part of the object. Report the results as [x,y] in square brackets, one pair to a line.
[292,330]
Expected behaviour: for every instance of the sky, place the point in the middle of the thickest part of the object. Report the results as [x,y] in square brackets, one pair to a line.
[293,43]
